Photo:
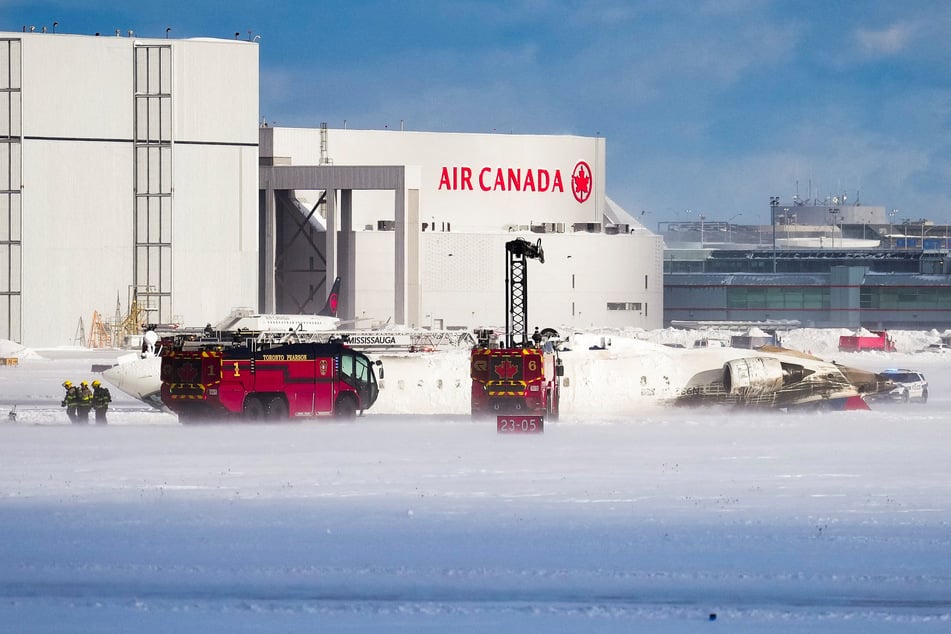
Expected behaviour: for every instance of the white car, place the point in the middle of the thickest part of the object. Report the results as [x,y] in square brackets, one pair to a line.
[938,347]
[909,385]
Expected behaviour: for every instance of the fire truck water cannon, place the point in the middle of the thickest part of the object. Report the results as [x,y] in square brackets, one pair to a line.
[519,383]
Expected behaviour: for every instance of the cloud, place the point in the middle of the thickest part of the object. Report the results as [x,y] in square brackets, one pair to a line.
[884,42]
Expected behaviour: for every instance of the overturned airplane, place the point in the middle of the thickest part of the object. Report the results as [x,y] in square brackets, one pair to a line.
[775,377]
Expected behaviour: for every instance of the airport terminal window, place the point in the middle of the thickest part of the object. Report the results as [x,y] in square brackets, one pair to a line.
[793,298]
[905,298]
[736,298]
[813,298]
[908,296]
[778,298]
[887,298]
[624,306]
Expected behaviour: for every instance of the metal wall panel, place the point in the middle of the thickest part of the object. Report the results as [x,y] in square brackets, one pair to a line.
[153,178]
[6,177]
[10,70]
[10,180]
[10,120]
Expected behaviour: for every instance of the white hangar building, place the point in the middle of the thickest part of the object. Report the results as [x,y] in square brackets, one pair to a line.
[131,164]
[427,248]
[125,163]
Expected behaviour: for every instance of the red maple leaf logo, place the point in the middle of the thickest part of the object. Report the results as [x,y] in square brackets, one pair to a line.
[187,372]
[506,369]
[333,303]
[581,181]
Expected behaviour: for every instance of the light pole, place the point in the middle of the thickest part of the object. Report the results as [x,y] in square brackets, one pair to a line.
[773,204]
[701,230]
[729,226]
[833,211]
[891,225]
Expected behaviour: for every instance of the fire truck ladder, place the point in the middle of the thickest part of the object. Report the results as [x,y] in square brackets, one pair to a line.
[516,279]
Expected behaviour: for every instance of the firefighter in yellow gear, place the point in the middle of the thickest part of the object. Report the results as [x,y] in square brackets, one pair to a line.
[84,403]
[71,401]
[100,401]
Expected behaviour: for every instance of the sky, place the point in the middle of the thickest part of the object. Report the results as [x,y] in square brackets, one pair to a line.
[708,107]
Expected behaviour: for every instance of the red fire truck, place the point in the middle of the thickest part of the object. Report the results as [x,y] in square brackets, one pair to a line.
[257,380]
[518,382]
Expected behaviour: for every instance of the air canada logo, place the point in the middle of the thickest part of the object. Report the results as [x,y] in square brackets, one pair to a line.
[506,370]
[581,181]
[187,372]
[332,301]
[531,179]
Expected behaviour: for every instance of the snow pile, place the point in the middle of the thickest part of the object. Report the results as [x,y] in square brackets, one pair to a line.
[428,383]
[619,518]
[12,350]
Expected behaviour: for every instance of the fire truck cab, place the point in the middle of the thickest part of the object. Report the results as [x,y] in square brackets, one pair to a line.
[256,381]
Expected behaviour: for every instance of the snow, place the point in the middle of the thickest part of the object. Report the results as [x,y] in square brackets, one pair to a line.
[618,518]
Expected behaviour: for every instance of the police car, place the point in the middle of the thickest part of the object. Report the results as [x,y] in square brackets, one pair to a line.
[909,385]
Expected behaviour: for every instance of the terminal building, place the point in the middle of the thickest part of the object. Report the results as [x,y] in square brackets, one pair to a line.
[819,264]
[137,169]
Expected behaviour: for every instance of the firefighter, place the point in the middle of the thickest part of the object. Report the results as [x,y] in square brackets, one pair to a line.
[100,401]
[84,402]
[71,401]
[537,338]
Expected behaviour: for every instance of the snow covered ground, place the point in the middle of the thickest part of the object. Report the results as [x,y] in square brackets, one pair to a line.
[619,518]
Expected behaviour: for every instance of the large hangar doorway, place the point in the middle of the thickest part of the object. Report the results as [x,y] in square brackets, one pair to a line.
[287,287]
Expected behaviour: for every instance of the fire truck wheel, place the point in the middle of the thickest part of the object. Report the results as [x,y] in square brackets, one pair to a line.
[253,408]
[277,409]
[346,407]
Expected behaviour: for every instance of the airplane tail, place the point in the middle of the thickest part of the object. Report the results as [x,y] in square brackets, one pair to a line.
[330,308]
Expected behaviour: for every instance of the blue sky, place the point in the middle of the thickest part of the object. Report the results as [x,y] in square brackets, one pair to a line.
[708,106]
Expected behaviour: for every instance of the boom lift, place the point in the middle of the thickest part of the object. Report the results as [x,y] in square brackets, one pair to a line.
[518,382]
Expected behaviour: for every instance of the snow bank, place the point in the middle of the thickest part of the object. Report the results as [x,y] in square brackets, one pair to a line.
[10,349]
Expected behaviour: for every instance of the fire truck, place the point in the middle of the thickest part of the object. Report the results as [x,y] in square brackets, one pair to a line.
[518,382]
[257,379]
